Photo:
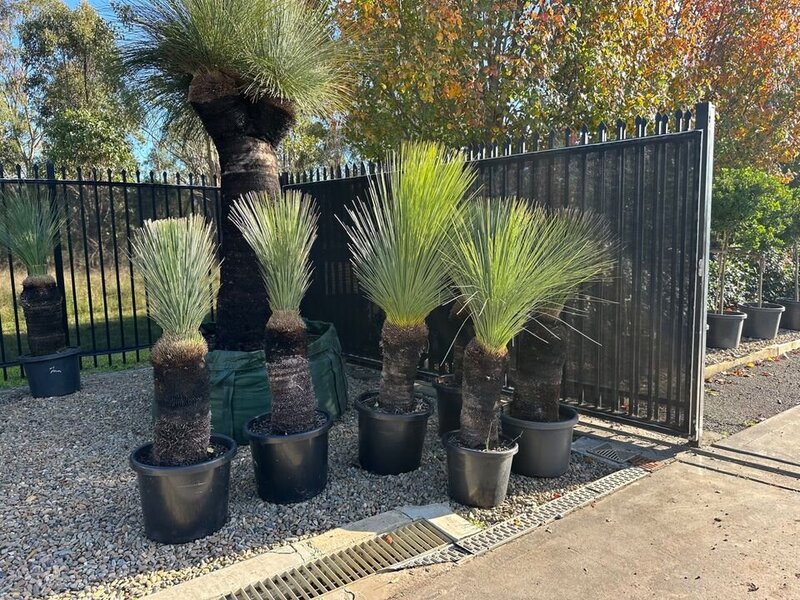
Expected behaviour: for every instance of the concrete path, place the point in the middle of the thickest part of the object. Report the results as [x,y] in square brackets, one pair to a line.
[695,529]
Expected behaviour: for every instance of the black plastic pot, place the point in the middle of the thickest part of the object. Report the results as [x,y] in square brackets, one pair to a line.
[544,448]
[791,318]
[477,477]
[724,330]
[56,374]
[390,444]
[290,468]
[181,504]
[448,404]
[762,321]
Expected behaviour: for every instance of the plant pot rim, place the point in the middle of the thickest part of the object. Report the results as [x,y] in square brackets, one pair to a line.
[565,423]
[788,301]
[730,314]
[765,306]
[65,353]
[383,416]
[166,471]
[449,440]
[274,438]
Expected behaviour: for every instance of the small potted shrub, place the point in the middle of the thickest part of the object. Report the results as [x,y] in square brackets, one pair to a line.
[184,474]
[496,265]
[536,420]
[28,229]
[791,238]
[397,240]
[289,444]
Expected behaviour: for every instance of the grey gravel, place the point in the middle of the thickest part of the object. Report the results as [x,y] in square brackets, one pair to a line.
[748,345]
[744,396]
[71,526]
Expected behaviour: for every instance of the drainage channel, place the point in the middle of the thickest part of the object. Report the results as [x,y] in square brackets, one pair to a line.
[342,568]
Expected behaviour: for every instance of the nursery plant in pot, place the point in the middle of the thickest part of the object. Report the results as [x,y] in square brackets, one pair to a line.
[577,252]
[791,238]
[396,240]
[28,229]
[184,474]
[290,443]
[500,273]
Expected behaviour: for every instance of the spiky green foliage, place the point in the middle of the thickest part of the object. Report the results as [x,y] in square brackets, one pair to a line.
[280,49]
[397,238]
[177,260]
[281,232]
[510,261]
[28,228]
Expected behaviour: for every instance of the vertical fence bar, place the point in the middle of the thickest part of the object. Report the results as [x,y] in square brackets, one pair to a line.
[71,254]
[131,278]
[58,259]
[115,252]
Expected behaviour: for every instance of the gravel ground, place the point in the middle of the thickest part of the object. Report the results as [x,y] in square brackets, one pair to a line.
[740,398]
[70,525]
[748,345]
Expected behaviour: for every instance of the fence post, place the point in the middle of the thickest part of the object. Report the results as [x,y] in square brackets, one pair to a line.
[704,121]
[58,259]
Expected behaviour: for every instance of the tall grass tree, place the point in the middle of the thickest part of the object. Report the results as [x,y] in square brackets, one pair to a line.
[29,228]
[281,230]
[396,240]
[245,69]
[177,260]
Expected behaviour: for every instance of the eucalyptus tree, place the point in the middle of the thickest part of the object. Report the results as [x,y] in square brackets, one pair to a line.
[244,70]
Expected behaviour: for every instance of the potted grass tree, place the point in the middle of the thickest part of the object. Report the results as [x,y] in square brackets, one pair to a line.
[396,240]
[29,228]
[791,239]
[448,387]
[184,474]
[542,427]
[290,443]
[498,261]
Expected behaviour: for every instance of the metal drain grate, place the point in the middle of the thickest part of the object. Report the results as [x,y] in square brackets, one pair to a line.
[342,568]
[613,454]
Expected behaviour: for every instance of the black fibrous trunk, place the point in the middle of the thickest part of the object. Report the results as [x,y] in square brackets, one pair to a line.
[286,350]
[481,389]
[538,368]
[402,348]
[181,385]
[44,314]
[245,134]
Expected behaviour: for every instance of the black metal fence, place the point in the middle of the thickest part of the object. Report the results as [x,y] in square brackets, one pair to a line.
[639,354]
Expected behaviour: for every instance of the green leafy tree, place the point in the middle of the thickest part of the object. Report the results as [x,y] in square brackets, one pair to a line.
[790,236]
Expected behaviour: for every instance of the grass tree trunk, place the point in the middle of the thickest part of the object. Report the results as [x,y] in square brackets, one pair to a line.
[41,304]
[538,370]
[286,349]
[483,384]
[183,427]
[245,135]
[462,325]
[402,348]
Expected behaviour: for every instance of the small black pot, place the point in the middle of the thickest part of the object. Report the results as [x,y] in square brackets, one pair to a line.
[390,444]
[476,477]
[544,448]
[290,468]
[724,330]
[791,318]
[181,504]
[56,374]
[448,404]
[762,321]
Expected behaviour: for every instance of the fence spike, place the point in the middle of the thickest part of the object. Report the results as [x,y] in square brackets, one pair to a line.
[520,145]
[568,137]
[584,134]
[537,141]
[338,171]
[678,120]
[602,132]
[551,139]
[687,119]
[621,129]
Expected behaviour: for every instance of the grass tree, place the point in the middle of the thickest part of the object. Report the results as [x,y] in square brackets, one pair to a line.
[580,247]
[176,258]
[281,230]
[245,69]
[28,229]
[396,240]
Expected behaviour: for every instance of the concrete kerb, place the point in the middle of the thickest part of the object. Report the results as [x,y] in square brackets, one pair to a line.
[763,354]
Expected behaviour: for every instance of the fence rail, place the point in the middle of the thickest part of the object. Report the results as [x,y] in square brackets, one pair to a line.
[640,352]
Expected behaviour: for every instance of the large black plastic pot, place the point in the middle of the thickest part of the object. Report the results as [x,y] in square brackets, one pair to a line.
[448,404]
[290,468]
[56,374]
[724,329]
[762,321]
[544,448]
[791,318]
[181,504]
[389,444]
[478,477]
